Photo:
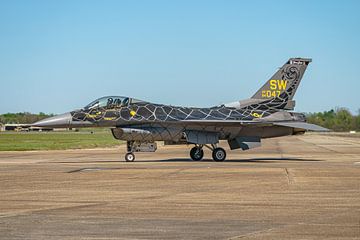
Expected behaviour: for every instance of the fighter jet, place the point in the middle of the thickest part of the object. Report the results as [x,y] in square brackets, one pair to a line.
[243,123]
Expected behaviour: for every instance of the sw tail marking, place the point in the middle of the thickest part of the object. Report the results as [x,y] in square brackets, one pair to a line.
[276,87]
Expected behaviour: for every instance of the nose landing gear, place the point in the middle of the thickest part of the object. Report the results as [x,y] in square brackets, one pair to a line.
[137,146]
[218,153]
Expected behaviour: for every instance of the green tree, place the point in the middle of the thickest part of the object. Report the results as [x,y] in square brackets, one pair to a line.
[357,121]
[343,120]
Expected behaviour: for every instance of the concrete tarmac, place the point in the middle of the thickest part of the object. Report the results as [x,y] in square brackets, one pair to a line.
[299,187]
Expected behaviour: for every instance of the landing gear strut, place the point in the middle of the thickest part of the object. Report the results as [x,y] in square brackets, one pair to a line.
[218,153]
[130,156]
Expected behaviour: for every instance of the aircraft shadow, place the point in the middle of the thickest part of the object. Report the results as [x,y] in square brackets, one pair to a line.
[260,160]
[246,160]
[251,160]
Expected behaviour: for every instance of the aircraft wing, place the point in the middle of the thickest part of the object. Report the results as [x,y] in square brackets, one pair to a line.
[220,122]
[300,125]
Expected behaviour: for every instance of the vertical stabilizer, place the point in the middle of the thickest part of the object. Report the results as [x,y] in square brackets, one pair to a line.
[281,87]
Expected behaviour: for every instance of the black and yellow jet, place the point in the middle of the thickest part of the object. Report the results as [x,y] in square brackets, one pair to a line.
[243,123]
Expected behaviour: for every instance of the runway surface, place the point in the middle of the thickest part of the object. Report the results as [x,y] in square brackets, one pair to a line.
[300,187]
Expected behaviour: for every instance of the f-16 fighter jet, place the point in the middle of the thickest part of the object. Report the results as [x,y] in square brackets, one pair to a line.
[242,123]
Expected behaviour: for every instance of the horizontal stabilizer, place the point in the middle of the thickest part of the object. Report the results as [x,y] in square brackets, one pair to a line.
[302,125]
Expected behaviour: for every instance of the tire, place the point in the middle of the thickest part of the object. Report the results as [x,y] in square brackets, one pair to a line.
[129,157]
[219,155]
[196,154]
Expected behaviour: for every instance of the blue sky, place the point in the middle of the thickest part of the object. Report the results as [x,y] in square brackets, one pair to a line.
[59,55]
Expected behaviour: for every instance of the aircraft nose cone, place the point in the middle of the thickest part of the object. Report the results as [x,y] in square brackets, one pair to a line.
[58,121]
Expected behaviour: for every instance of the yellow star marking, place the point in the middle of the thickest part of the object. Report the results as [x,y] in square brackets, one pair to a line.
[132,113]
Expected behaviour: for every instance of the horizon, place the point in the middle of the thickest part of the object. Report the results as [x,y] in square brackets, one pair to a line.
[59,56]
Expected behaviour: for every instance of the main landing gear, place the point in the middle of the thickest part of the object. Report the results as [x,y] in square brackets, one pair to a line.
[196,153]
[218,153]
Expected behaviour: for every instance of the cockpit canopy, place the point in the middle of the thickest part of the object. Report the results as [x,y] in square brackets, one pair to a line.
[111,102]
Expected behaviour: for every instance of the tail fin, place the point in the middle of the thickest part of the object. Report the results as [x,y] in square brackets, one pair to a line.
[281,87]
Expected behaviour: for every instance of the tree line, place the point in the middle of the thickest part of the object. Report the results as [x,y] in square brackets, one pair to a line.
[23,117]
[339,119]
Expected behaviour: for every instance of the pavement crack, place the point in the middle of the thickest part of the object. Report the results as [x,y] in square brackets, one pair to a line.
[251,234]
[30,212]
[289,176]
[177,171]
[91,169]
[319,146]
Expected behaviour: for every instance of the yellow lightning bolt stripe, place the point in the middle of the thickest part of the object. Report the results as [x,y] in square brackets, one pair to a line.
[109,118]
[94,115]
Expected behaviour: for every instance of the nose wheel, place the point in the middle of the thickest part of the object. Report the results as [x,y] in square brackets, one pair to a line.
[129,157]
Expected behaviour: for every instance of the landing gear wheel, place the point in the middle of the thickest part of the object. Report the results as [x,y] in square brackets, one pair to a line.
[129,157]
[196,154]
[219,154]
